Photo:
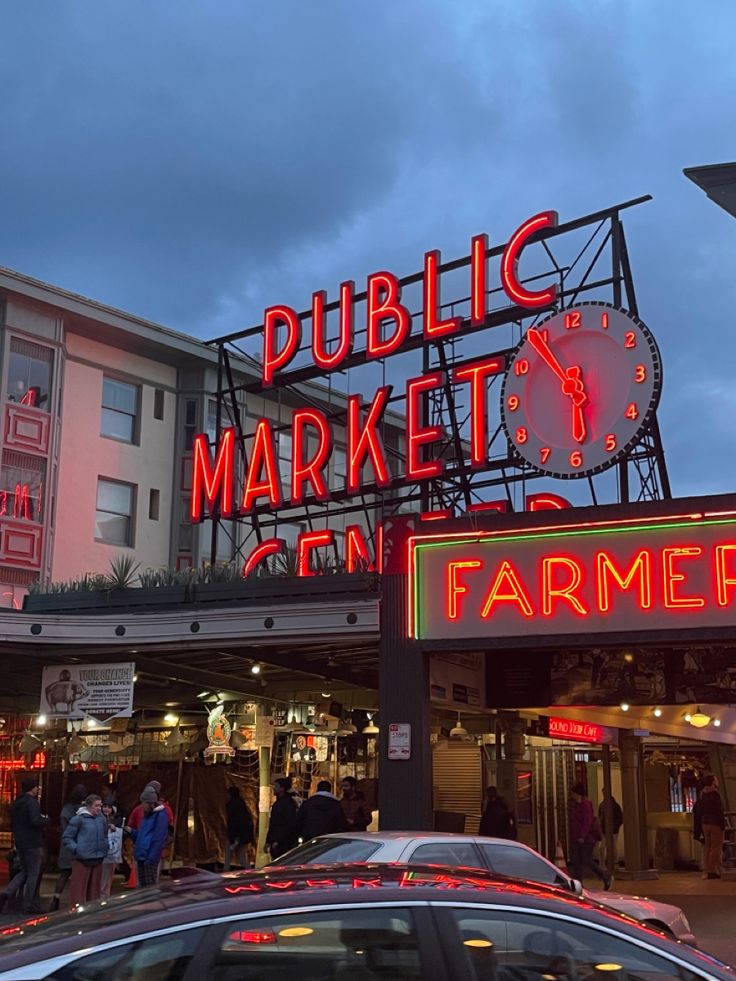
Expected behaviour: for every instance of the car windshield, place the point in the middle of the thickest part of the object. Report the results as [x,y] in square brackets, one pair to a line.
[328,850]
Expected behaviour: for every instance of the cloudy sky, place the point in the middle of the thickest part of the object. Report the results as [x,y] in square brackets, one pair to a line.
[192,161]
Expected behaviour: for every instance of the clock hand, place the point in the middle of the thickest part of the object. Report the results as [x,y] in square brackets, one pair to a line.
[545,353]
[572,382]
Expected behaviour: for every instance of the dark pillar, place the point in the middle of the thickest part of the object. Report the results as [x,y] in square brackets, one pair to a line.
[404,786]
[633,803]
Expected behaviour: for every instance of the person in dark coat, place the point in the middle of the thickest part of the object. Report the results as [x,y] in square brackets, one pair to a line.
[239,830]
[584,832]
[354,805]
[281,835]
[150,838]
[321,814]
[64,862]
[618,822]
[497,820]
[712,821]
[27,823]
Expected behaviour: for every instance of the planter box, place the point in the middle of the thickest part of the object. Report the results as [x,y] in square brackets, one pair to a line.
[64,602]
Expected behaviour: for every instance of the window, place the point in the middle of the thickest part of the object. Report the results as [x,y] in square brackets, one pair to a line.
[119,410]
[29,373]
[115,509]
[190,423]
[517,861]
[158,403]
[540,947]
[164,958]
[22,484]
[339,468]
[321,850]
[344,944]
[212,420]
[154,500]
[447,853]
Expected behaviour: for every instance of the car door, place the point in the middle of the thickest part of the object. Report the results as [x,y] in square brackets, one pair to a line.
[445,851]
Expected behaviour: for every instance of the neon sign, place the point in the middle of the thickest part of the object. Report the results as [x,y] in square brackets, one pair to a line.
[583,732]
[649,574]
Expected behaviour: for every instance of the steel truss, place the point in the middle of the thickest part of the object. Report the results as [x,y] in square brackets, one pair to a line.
[588,259]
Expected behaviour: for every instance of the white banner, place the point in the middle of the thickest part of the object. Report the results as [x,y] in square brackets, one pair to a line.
[80,691]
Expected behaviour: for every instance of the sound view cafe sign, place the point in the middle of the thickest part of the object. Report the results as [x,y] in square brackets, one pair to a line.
[387,330]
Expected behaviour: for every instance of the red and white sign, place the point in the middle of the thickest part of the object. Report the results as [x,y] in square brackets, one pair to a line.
[399,741]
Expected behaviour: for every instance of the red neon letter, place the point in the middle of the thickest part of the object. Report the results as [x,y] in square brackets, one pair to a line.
[366,442]
[212,482]
[724,582]
[263,457]
[478,249]
[268,547]
[274,360]
[507,575]
[476,373]
[383,303]
[305,545]
[642,565]
[567,591]
[546,502]
[418,435]
[356,550]
[309,471]
[345,342]
[434,326]
[510,263]
[671,577]
[455,588]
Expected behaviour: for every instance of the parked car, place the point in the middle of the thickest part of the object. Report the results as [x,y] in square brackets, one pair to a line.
[474,851]
[361,922]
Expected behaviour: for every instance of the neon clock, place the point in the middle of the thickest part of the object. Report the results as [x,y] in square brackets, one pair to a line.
[580,390]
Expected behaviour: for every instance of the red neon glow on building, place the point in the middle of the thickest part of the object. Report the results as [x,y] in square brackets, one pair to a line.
[384,303]
[417,434]
[268,547]
[478,268]
[510,262]
[546,502]
[434,325]
[306,543]
[310,470]
[365,442]
[454,587]
[500,507]
[274,357]
[568,590]
[507,588]
[263,461]
[357,555]
[477,373]
[641,569]
[672,577]
[213,483]
[724,582]
[441,515]
[584,732]
[320,356]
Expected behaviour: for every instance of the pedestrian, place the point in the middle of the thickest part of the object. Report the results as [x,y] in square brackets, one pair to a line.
[281,835]
[86,838]
[27,822]
[497,820]
[320,814]
[584,833]
[616,825]
[136,815]
[354,806]
[239,830]
[150,838]
[115,848]
[64,862]
[713,823]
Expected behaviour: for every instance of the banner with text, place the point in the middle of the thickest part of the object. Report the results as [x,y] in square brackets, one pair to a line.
[80,691]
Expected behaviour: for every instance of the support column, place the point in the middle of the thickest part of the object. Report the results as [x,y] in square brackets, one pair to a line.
[633,803]
[404,786]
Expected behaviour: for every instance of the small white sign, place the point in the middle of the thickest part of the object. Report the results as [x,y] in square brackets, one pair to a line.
[399,741]
[79,691]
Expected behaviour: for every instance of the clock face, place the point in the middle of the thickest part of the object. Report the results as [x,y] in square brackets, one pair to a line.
[580,389]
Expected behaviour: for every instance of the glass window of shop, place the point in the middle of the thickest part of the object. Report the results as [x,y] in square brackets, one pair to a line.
[29,373]
[22,486]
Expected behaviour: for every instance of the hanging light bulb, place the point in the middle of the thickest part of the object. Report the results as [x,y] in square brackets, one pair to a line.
[699,719]
[459,731]
[371,729]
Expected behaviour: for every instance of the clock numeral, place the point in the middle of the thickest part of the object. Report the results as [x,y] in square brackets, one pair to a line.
[572,319]
[640,373]
[576,458]
[522,435]
[544,454]
[629,339]
[632,412]
[521,367]
[513,403]
[610,443]
[544,334]
[604,321]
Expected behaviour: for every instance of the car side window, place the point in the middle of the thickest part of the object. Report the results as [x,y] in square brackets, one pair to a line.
[506,946]
[347,944]
[447,853]
[516,861]
[163,958]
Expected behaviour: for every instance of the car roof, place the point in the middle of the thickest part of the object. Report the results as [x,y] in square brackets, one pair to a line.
[419,836]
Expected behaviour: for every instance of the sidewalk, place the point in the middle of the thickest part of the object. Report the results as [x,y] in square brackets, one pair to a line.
[672,884]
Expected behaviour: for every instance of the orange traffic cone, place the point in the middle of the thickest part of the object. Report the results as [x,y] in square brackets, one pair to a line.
[560,861]
[132,881]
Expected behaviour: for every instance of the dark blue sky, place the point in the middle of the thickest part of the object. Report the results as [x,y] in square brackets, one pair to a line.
[195,161]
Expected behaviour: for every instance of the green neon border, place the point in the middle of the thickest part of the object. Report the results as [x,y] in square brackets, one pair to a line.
[515,537]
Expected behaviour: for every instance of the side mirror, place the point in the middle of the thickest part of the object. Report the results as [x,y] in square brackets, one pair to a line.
[576,887]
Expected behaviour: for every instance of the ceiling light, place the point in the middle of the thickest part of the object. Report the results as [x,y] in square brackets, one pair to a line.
[171,719]
[371,729]
[203,694]
[91,723]
[657,712]
[41,720]
[459,731]
[135,677]
[255,669]
[716,722]
[326,694]
[624,706]
[628,657]
[687,717]
[699,719]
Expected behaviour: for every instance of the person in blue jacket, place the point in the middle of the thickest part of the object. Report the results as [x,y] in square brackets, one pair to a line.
[150,838]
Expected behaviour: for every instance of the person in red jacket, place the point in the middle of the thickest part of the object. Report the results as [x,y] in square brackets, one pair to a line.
[584,833]
[136,815]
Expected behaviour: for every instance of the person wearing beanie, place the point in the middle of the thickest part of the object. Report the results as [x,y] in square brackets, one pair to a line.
[64,862]
[27,822]
[136,815]
[149,838]
[321,814]
[86,839]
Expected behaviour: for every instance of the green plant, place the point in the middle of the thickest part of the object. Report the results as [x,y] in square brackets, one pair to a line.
[122,572]
[219,572]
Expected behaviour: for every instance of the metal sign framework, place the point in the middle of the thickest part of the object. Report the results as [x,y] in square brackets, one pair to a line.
[596,267]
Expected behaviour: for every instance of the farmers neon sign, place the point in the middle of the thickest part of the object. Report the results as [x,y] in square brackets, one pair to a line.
[648,574]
